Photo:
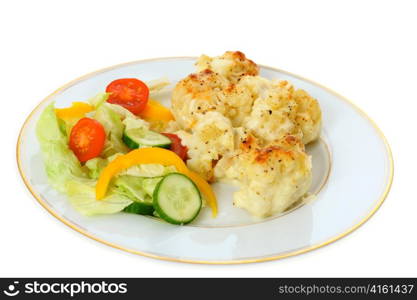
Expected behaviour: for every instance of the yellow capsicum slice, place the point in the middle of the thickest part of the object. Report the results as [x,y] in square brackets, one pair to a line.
[76,110]
[153,156]
[155,111]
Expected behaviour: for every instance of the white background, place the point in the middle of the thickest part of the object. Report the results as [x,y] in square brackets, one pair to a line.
[365,50]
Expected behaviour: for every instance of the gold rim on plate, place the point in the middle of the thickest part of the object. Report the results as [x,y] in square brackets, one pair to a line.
[240,261]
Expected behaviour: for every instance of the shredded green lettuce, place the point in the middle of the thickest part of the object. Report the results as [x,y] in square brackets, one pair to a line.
[114,130]
[82,196]
[101,98]
[120,110]
[148,170]
[98,99]
[63,127]
[132,187]
[67,175]
[135,123]
[114,156]
[60,162]
[149,184]
[95,166]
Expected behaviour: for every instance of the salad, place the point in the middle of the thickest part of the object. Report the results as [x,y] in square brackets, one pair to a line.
[111,154]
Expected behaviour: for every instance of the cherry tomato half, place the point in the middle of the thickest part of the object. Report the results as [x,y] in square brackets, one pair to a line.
[131,93]
[176,146]
[87,139]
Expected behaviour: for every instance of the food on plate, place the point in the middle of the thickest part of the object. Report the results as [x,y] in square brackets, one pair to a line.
[177,199]
[149,155]
[131,93]
[230,84]
[155,111]
[176,145]
[271,177]
[107,158]
[210,139]
[123,152]
[87,139]
[139,137]
[242,128]
[76,111]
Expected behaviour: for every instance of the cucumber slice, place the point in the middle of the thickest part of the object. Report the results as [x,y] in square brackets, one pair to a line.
[139,208]
[137,137]
[177,199]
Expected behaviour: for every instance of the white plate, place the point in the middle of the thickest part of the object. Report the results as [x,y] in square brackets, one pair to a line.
[352,167]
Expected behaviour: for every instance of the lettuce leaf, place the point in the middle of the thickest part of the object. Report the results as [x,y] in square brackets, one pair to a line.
[114,131]
[67,175]
[120,110]
[135,123]
[98,99]
[82,196]
[148,170]
[149,184]
[95,166]
[132,187]
[60,162]
[110,120]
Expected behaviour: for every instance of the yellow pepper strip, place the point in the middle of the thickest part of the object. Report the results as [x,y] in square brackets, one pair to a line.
[76,110]
[153,156]
[155,111]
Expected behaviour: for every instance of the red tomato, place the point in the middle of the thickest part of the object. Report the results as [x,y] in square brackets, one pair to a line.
[131,93]
[87,139]
[176,146]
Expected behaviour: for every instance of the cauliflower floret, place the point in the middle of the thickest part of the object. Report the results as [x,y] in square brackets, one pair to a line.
[271,178]
[208,91]
[197,94]
[279,109]
[212,138]
[244,128]
[215,87]
[270,108]
[231,65]
[274,110]
[308,117]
